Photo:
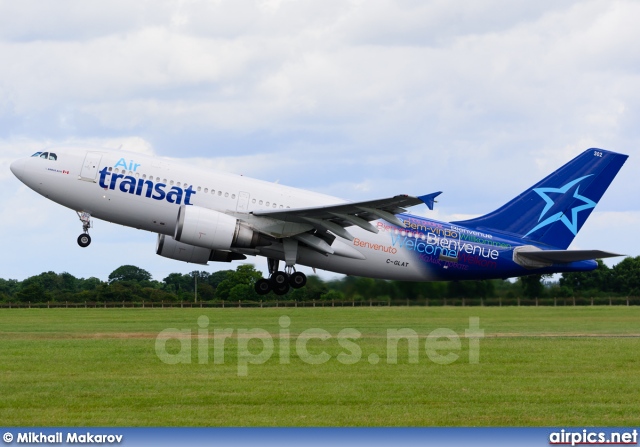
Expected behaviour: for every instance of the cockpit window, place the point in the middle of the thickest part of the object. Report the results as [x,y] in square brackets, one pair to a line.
[46,155]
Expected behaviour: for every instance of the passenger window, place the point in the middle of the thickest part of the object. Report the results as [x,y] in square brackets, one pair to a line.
[53,156]
[45,155]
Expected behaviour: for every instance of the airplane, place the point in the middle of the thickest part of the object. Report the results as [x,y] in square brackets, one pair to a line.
[203,216]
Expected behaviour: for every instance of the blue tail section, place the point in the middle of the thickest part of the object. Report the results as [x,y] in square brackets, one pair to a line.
[552,211]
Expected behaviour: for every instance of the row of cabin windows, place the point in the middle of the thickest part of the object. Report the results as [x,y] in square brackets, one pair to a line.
[46,155]
[199,189]
[52,156]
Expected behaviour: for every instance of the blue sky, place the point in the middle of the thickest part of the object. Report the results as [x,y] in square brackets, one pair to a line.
[358,99]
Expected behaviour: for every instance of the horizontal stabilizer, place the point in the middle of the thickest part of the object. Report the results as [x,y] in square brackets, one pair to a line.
[565,256]
[429,199]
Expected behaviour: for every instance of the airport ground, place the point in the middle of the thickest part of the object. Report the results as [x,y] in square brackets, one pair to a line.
[544,366]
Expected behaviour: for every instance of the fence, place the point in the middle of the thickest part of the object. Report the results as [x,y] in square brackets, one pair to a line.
[424,302]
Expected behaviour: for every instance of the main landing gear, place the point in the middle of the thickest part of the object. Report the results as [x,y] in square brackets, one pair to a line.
[280,282]
[84,240]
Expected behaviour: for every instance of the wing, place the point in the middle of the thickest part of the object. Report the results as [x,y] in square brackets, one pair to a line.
[336,218]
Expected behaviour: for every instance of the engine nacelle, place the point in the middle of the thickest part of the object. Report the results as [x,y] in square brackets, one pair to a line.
[168,247]
[211,229]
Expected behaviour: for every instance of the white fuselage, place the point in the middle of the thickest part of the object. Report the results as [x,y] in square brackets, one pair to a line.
[101,182]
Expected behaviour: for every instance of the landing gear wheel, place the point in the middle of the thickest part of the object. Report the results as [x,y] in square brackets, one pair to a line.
[298,280]
[262,286]
[279,279]
[281,290]
[84,240]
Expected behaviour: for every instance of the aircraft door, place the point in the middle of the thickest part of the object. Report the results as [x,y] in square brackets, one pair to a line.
[90,166]
[243,202]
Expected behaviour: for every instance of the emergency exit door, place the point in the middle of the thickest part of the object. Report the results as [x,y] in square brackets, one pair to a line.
[243,202]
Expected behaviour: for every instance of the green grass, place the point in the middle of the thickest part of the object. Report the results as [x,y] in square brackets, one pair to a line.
[538,366]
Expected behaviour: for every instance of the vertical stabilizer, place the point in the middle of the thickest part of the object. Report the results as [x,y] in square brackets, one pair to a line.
[552,211]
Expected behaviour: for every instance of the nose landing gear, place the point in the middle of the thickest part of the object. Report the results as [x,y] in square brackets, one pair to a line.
[84,240]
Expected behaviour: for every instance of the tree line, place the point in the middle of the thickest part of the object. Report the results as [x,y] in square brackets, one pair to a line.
[133,284]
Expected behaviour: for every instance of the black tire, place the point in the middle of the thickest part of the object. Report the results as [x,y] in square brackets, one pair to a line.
[279,279]
[262,286]
[298,280]
[281,290]
[84,240]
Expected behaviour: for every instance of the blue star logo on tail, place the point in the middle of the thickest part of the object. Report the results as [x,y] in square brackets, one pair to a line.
[572,224]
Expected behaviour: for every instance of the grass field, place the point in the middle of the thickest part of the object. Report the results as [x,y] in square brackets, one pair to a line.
[537,366]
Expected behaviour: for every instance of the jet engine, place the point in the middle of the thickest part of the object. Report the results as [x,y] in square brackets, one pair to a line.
[168,247]
[213,230]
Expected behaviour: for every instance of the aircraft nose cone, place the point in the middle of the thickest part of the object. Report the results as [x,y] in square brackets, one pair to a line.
[17,167]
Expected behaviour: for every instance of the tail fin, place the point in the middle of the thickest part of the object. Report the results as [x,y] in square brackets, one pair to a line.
[552,211]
